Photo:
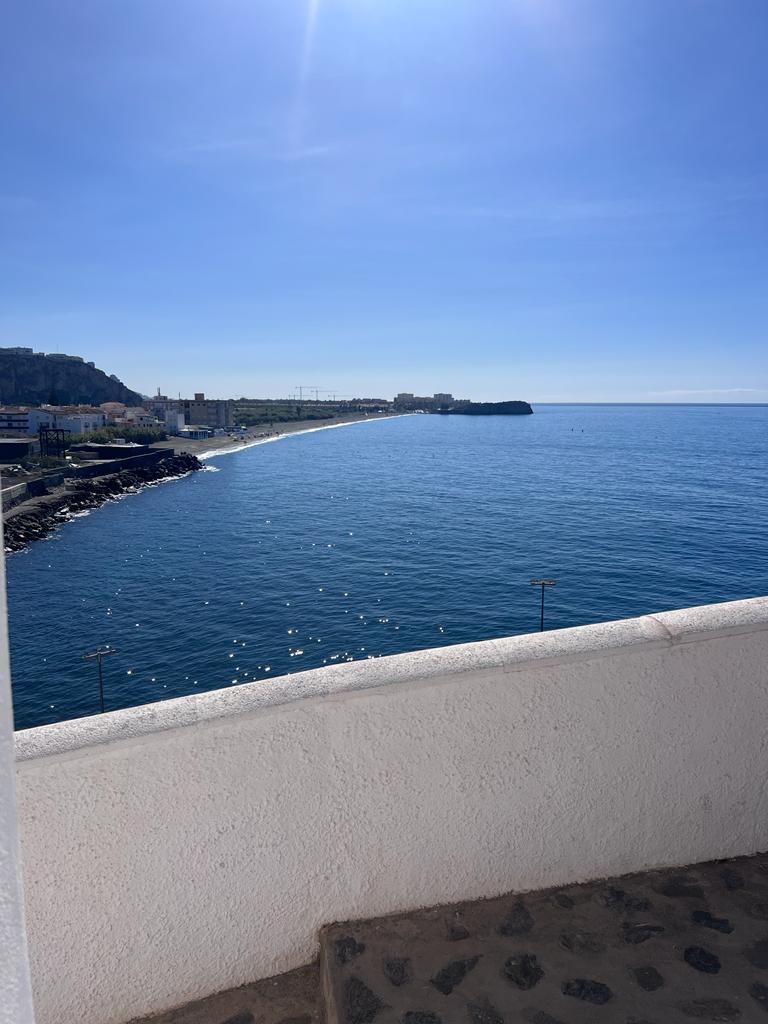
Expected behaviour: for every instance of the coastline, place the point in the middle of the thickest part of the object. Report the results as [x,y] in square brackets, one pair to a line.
[264,434]
[37,517]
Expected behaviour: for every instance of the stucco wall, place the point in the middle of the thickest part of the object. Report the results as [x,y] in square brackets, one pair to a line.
[15,993]
[180,848]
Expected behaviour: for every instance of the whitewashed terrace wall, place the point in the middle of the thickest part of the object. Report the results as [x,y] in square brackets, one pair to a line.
[176,849]
[15,993]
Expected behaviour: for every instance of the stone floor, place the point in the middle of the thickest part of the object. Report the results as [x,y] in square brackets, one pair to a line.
[288,999]
[662,947]
[666,947]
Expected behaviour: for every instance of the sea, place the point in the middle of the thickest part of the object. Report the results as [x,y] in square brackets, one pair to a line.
[391,535]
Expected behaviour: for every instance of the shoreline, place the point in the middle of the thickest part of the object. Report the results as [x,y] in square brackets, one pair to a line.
[265,434]
[37,517]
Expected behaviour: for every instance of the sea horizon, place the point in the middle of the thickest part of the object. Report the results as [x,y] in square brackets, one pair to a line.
[418,532]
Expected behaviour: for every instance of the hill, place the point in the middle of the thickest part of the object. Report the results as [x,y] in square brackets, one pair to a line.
[33,378]
[490,409]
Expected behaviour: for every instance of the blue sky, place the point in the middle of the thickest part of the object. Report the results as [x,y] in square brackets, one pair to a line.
[541,199]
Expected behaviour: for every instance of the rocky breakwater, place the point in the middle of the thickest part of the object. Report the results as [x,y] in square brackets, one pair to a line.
[34,522]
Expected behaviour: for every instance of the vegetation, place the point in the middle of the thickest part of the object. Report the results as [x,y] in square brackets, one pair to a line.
[252,413]
[43,462]
[107,435]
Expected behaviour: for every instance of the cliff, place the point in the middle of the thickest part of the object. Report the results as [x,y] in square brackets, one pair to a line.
[33,378]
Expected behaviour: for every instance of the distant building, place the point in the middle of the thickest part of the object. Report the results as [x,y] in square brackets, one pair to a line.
[202,411]
[138,417]
[19,420]
[196,433]
[78,419]
[407,402]
[174,421]
[14,449]
[113,409]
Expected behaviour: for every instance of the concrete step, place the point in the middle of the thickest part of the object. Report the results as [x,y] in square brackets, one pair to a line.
[286,999]
[663,947]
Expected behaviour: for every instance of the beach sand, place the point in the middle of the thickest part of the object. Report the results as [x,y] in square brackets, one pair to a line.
[261,433]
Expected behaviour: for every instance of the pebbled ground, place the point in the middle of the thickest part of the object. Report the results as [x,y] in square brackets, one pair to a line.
[663,947]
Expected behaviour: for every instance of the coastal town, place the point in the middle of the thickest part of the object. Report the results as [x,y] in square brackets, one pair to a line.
[72,437]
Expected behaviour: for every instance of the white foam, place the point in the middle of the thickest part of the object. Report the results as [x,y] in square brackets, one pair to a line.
[293,433]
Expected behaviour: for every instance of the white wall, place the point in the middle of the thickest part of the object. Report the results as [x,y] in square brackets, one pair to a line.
[180,848]
[15,994]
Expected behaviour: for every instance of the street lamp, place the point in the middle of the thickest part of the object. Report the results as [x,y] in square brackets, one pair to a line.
[100,654]
[543,584]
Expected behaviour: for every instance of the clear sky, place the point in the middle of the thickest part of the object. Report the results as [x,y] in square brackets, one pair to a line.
[539,199]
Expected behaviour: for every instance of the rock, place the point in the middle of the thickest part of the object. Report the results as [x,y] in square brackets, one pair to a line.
[420,1017]
[40,520]
[732,879]
[32,378]
[348,948]
[518,921]
[562,899]
[682,887]
[523,970]
[453,974]
[760,994]
[582,942]
[718,924]
[648,978]
[398,970]
[246,1017]
[701,960]
[360,1004]
[586,990]
[485,1014]
[621,900]
[457,930]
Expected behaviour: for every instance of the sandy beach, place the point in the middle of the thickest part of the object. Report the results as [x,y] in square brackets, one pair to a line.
[261,433]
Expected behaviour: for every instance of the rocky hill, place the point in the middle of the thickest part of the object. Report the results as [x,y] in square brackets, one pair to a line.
[33,378]
[490,409]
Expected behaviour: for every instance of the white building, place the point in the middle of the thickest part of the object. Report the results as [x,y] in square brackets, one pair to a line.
[79,421]
[21,420]
[196,433]
[138,417]
[174,421]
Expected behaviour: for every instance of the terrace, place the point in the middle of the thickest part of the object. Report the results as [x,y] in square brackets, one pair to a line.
[178,850]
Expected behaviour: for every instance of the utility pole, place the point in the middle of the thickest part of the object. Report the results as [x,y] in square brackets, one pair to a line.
[100,654]
[543,584]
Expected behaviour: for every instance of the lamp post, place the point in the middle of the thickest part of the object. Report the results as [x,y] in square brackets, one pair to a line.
[543,584]
[100,654]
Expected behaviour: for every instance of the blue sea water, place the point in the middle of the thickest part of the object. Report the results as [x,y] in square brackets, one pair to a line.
[390,536]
